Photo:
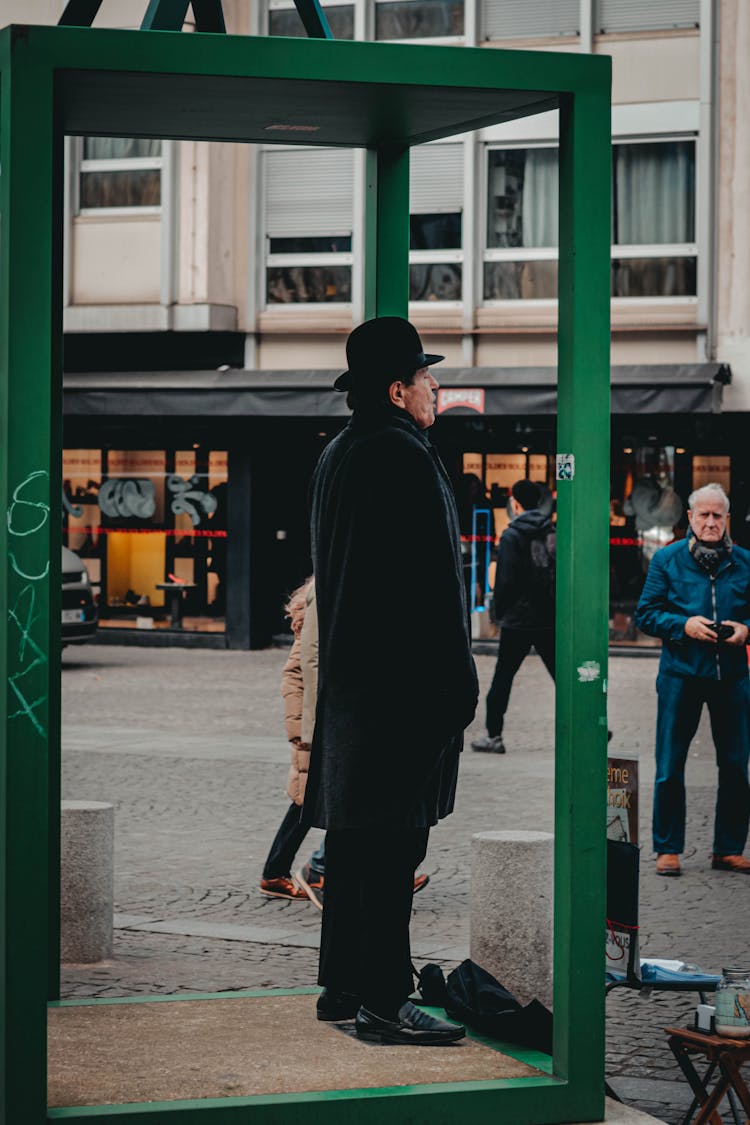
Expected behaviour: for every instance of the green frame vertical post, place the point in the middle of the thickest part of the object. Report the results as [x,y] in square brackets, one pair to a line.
[387,232]
[582,595]
[30,471]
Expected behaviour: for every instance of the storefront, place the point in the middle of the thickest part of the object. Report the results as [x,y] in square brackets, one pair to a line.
[200,479]
[145,519]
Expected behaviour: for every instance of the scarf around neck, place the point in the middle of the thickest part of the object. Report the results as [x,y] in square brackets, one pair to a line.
[709,556]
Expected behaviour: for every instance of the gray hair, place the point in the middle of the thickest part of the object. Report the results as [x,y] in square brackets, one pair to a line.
[705,491]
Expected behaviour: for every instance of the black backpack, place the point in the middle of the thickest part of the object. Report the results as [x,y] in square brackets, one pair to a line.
[474,996]
[543,554]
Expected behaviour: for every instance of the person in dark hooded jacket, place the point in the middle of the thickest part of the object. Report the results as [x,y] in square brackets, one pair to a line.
[396,678]
[524,599]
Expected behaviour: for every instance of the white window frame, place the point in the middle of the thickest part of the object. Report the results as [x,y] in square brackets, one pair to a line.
[435,41]
[301,260]
[454,256]
[660,249]
[289,6]
[364,20]
[511,253]
[619,251]
[123,164]
[439,258]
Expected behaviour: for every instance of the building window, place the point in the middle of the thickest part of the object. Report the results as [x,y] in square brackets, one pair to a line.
[308,212]
[507,19]
[419,19]
[653,222]
[645,15]
[120,173]
[521,255]
[435,223]
[653,219]
[284,19]
[145,519]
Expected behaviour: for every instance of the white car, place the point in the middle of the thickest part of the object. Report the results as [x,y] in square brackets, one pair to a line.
[80,614]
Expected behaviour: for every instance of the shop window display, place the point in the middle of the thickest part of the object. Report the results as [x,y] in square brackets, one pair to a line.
[651,485]
[495,474]
[140,518]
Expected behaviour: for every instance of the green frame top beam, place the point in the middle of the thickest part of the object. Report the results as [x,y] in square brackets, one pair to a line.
[385,98]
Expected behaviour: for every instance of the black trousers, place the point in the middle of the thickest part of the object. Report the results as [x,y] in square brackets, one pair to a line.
[364,942]
[285,844]
[514,646]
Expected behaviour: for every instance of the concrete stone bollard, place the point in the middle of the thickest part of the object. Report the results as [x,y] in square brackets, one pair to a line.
[511,910]
[87,836]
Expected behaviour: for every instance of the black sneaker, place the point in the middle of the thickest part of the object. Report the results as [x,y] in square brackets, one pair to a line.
[411,1025]
[489,744]
[311,882]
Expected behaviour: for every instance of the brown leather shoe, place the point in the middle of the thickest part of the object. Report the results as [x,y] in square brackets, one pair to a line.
[731,863]
[668,865]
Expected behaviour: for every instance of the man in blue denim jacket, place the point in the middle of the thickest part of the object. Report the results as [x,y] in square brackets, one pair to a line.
[697,599]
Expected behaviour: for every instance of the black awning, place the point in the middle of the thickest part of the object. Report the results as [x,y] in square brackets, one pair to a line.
[492,391]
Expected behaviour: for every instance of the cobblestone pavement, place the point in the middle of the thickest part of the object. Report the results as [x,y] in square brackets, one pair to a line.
[189,747]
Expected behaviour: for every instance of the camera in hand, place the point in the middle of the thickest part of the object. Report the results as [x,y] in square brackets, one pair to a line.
[723,632]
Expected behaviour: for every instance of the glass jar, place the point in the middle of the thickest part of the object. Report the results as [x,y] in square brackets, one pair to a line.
[733,1003]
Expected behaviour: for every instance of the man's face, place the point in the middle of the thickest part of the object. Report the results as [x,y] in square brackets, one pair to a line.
[708,519]
[419,397]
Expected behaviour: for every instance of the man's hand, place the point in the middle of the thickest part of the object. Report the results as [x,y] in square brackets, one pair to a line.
[739,636]
[699,628]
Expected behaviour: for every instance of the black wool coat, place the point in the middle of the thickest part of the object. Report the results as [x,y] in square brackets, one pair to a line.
[396,678]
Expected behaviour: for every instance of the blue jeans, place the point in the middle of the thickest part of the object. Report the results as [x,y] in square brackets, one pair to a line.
[681,701]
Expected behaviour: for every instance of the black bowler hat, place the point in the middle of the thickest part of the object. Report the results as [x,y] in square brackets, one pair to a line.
[385,347]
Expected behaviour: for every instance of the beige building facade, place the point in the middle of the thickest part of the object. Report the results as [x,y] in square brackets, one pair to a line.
[184,258]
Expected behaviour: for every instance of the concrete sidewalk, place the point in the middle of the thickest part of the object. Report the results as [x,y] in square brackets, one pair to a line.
[189,746]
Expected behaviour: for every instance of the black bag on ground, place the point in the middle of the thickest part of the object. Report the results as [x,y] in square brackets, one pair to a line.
[473,996]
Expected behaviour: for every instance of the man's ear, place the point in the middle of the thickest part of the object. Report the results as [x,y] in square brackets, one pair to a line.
[396,394]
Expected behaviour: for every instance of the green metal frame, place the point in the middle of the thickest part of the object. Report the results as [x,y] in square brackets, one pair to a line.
[385,98]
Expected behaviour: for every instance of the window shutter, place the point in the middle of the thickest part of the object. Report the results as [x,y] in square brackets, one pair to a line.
[645,15]
[308,192]
[436,179]
[507,19]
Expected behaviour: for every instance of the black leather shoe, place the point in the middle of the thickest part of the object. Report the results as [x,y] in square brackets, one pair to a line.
[411,1026]
[335,1006]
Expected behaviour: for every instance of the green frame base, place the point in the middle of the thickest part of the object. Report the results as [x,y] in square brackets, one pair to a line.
[232,1109]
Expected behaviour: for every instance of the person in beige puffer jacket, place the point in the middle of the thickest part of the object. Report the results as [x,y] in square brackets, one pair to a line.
[299,688]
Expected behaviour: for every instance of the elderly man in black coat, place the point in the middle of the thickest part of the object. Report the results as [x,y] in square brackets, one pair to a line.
[397,683]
